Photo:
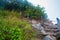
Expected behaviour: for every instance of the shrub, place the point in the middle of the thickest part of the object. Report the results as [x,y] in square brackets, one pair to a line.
[6,13]
[10,29]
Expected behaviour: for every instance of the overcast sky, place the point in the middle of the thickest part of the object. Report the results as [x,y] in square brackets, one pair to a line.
[52,7]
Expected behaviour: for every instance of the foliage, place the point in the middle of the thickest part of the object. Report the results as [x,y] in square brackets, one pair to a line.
[10,31]
[35,13]
[12,28]
[26,9]
[6,13]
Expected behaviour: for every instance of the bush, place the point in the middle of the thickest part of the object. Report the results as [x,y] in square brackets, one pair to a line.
[10,29]
[6,13]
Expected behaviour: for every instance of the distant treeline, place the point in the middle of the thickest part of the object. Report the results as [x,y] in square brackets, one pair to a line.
[24,7]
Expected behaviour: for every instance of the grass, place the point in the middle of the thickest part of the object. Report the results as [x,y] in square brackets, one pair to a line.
[13,28]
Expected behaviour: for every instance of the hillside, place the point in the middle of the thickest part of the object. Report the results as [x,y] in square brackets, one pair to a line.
[20,20]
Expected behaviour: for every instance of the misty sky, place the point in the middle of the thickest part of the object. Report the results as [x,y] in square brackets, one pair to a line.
[52,7]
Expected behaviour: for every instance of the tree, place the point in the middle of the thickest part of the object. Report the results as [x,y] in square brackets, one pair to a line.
[35,12]
[26,8]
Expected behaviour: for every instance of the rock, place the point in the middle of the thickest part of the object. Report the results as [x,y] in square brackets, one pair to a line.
[39,27]
[47,28]
[58,22]
[49,37]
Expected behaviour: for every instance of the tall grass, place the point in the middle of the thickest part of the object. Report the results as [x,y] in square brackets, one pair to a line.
[12,28]
[6,13]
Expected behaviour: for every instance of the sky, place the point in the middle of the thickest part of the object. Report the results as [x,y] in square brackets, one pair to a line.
[52,8]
